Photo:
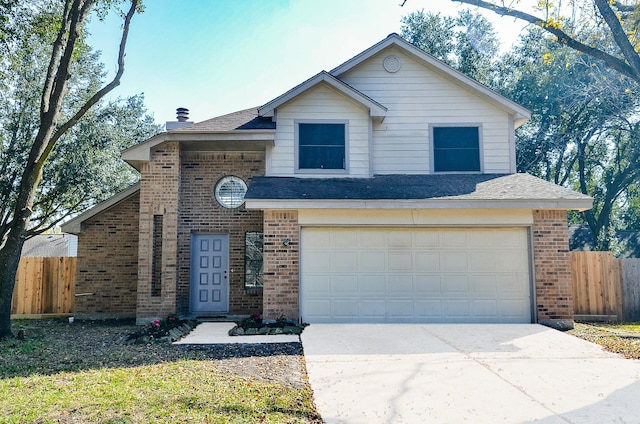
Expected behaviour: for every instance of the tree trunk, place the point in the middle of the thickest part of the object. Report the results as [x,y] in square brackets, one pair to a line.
[9,260]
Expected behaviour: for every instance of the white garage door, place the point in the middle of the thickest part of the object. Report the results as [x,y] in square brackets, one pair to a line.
[415,275]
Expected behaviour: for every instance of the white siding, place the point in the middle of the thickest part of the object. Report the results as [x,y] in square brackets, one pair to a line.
[417,97]
[320,103]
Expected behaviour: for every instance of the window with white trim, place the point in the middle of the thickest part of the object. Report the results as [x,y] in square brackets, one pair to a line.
[321,146]
[456,149]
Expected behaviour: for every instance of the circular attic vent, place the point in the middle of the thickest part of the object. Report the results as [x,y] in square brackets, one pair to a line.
[392,63]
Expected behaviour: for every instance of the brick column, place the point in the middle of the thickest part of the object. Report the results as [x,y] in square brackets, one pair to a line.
[159,195]
[554,293]
[281,264]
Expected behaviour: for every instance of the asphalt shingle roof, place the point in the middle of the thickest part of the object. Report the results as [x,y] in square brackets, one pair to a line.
[410,187]
[247,119]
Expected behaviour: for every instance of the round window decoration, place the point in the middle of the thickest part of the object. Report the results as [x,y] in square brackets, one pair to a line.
[230,192]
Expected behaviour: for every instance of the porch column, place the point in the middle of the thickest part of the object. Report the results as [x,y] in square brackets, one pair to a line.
[281,254]
[158,245]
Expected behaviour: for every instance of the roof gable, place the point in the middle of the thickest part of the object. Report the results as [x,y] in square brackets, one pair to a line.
[376,110]
[520,113]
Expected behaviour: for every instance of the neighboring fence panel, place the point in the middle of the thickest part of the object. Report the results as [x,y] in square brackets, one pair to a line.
[631,282]
[597,284]
[44,286]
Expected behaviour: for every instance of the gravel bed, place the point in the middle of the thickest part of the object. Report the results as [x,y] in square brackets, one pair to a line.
[52,346]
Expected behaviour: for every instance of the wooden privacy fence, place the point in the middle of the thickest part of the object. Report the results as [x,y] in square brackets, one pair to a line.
[605,287]
[44,286]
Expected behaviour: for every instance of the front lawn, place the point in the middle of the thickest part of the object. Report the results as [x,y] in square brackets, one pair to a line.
[84,372]
[617,338]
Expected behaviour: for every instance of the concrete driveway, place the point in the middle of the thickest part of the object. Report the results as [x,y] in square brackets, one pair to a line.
[465,373]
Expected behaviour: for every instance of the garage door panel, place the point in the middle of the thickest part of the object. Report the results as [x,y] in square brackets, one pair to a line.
[400,286]
[318,310]
[484,308]
[456,309]
[400,261]
[453,239]
[454,261]
[399,239]
[317,261]
[427,261]
[511,261]
[341,239]
[415,275]
[400,308]
[344,261]
[511,308]
[372,261]
[482,261]
[427,285]
[317,285]
[452,284]
[344,308]
[484,284]
[372,285]
[370,239]
[428,308]
[428,239]
[345,285]
[373,309]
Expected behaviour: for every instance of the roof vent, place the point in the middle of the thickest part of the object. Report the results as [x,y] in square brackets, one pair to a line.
[182,116]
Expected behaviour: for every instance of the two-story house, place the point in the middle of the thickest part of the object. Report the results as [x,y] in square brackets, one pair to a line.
[384,190]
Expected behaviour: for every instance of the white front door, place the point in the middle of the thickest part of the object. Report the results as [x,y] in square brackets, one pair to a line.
[209,273]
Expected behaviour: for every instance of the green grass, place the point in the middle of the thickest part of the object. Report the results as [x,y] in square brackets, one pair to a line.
[85,374]
[184,391]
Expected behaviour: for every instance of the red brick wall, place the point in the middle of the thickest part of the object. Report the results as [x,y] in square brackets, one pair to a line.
[281,264]
[201,213]
[159,194]
[554,294]
[108,262]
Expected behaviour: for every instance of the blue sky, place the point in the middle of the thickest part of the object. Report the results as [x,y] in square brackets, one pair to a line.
[219,56]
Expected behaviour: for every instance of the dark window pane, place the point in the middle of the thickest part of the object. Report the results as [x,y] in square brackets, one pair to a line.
[456,149]
[321,146]
[326,157]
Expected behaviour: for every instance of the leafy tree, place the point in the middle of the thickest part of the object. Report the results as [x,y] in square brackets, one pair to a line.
[467,42]
[619,18]
[584,127]
[50,85]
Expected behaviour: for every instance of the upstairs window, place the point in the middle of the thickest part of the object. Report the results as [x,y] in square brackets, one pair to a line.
[456,149]
[321,146]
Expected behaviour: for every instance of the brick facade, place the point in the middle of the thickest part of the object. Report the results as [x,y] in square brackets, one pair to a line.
[159,194]
[552,264]
[200,213]
[281,264]
[108,262]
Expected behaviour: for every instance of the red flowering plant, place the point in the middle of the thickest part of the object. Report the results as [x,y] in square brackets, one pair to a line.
[161,327]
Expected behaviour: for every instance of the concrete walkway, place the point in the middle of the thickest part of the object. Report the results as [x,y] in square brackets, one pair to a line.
[466,374]
[218,333]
